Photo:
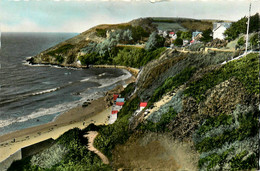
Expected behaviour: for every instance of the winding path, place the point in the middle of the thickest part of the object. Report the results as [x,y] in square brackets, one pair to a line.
[91,135]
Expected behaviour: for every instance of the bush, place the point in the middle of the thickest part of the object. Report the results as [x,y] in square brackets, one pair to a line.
[154,41]
[246,70]
[171,83]
[160,126]
[178,42]
[225,149]
[101,33]
[195,46]
[119,132]
[240,26]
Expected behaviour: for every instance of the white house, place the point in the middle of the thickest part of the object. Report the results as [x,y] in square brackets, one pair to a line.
[219,29]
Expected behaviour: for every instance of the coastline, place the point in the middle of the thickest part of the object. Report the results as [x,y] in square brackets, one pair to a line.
[79,116]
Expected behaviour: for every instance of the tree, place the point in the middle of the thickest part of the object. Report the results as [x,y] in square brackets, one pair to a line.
[186,35]
[154,42]
[241,41]
[207,36]
[178,42]
[254,40]
[240,26]
[138,33]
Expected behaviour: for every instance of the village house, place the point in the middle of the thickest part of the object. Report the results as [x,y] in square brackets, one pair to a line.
[219,29]
[143,105]
[196,35]
[117,106]
[160,32]
[165,34]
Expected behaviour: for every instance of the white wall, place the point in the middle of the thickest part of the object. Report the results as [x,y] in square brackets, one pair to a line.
[219,33]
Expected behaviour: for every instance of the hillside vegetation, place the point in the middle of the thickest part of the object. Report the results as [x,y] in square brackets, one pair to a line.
[208,106]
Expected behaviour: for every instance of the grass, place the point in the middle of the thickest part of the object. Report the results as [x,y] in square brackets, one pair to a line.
[160,126]
[119,132]
[246,70]
[171,83]
[77,156]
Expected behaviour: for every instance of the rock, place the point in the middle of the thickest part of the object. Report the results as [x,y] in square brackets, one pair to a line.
[85,104]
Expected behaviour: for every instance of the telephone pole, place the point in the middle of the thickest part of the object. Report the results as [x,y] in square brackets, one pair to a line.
[248,28]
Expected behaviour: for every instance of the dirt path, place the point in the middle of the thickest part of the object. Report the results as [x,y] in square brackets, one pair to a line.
[91,135]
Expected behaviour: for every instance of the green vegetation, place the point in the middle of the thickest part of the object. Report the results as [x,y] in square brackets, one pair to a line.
[128,90]
[245,70]
[172,83]
[127,56]
[119,132]
[76,156]
[186,35]
[237,162]
[160,126]
[101,32]
[241,42]
[207,36]
[245,129]
[63,49]
[59,52]
[214,159]
[213,122]
[154,41]
[136,57]
[240,26]
[254,40]
[138,33]
[195,47]
[178,42]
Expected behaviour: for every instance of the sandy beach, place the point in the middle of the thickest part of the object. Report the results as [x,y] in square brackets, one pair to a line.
[79,117]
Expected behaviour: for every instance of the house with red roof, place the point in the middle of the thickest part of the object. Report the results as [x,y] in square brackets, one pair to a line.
[143,105]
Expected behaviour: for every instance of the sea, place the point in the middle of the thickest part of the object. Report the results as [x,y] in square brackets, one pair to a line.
[32,95]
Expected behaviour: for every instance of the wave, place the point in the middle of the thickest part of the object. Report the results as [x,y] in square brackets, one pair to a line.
[46,91]
[22,96]
[59,108]
[90,93]
[109,81]
[26,63]
[85,79]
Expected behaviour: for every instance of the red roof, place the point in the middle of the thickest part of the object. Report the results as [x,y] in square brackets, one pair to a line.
[143,104]
[171,33]
[115,96]
[114,111]
[120,103]
[192,41]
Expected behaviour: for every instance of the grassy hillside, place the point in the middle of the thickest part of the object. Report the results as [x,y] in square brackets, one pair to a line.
[212,107]
[209,108]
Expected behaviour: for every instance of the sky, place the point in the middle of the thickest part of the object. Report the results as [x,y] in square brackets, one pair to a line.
[80,15]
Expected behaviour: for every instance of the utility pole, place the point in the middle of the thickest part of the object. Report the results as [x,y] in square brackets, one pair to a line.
[248,28]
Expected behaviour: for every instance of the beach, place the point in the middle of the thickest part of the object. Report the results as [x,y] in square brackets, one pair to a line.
[96,112]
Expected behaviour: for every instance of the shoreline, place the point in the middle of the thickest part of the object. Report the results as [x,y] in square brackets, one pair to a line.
[79,116]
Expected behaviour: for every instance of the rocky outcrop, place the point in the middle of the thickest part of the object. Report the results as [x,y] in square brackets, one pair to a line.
[109,95]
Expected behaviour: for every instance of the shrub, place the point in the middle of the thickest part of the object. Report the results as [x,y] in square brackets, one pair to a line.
[117,133]
[154,41]
[101,32]
[171,83]
[161,125]
[245,70]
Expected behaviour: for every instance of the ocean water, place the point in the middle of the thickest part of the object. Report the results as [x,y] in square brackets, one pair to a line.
[34,95]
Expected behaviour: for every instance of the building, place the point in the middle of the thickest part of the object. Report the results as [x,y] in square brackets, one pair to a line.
[185,42]
[118,104]
[219,29]
[196,35]
[165,34]
[143,105]
[120,99]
